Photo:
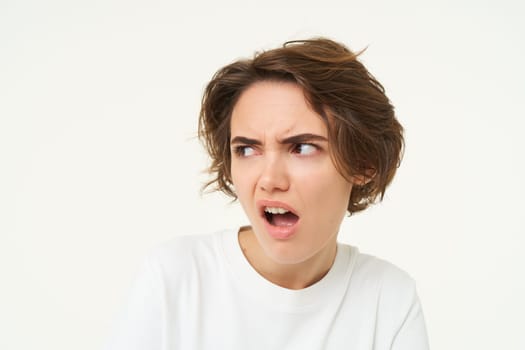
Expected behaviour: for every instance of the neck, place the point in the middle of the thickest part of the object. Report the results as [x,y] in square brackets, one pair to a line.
[292,276]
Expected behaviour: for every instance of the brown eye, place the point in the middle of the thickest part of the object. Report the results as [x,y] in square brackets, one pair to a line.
[305,149]
[244,151]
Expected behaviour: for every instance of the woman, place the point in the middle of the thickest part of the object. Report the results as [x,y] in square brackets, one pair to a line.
[300,135]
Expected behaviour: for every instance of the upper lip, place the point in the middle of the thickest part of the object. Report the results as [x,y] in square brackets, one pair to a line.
[264,203]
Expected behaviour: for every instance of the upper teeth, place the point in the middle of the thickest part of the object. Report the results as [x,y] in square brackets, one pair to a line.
[275,210]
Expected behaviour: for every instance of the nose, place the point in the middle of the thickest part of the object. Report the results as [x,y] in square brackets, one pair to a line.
[274,175]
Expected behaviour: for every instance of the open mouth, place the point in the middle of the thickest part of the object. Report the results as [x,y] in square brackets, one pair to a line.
[280,217]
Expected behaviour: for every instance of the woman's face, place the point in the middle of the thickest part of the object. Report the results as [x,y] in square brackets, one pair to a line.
[283,174]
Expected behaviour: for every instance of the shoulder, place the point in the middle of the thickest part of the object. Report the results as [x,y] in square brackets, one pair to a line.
[182,246]
[388,287]
[187,254]
[379,285]
[385,300]
[383,282]
[381,272]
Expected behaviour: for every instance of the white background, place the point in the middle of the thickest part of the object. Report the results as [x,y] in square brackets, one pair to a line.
[99,160]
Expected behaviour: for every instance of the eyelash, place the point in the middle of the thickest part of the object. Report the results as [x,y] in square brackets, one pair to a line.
[295,148]
[238,150]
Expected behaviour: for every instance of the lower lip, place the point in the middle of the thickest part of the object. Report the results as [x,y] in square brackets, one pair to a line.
[280,232]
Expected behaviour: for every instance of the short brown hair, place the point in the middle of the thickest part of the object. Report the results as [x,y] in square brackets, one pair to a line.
[364,135]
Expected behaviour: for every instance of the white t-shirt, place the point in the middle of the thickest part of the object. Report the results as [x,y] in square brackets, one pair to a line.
[200,292]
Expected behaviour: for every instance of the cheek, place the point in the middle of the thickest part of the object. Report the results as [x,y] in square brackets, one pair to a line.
[330,192]
[241,179]
[235,172]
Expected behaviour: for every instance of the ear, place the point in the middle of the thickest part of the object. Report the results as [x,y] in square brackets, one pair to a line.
[363,179]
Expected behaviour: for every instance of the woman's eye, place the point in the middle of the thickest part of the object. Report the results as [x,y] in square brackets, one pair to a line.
[244,151]
[305,149]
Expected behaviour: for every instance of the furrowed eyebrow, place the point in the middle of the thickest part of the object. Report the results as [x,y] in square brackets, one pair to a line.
[303,138]
[300,138]
[245,141]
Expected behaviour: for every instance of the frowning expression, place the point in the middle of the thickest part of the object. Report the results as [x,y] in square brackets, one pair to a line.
[283,174]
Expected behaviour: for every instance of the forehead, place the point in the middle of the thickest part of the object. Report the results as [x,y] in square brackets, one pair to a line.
[278,108]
